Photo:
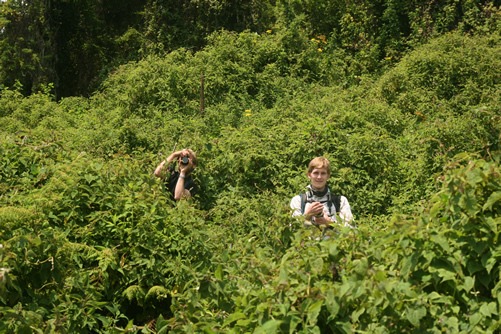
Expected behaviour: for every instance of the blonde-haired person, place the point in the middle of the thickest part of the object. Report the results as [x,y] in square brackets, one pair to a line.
[179,182]
[317,204]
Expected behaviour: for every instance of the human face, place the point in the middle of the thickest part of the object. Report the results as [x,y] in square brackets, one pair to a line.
[318,178]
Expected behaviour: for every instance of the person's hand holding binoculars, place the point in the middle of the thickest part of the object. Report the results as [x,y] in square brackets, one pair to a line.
[185,163]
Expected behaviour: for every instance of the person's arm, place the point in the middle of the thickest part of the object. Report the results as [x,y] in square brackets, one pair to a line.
[159,171]
[345,212]
[295,205]
[180,192]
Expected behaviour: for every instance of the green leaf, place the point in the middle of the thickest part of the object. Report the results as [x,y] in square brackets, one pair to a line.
[434,295]
[475,176]
[219,272]
[333,307]
[243,322]
[271,326]
[475,318]
[356,314]
[474,266]
[442,241]
[446,274]
[89,178]
[380,276]
[489,262]
[316,265]
[163,329]
[234,317]
[469,283]
[493,224]
[161,323]
[414,315]
[284,276]
[345,288]
[408,263]
[493,198]
[314,310]
[489,309]
[293,323]
[452,323]
[333,249]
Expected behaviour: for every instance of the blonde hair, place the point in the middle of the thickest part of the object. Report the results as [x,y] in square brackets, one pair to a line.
[319,162]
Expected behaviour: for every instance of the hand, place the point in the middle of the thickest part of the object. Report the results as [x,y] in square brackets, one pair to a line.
[185,169]
[176,154]
[323,220]
[173,156]
[316,209]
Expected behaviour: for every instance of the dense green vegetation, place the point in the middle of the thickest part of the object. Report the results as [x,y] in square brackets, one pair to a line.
[70,47]
[408,113]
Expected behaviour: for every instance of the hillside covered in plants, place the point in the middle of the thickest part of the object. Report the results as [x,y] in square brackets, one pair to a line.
[90,241]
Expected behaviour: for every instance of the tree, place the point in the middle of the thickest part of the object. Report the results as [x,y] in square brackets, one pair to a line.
[27,49]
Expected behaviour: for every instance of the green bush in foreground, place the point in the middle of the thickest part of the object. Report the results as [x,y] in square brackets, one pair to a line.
[91,242]
[434,273]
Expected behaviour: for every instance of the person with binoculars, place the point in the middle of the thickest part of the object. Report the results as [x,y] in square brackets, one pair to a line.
[179,182]
[317,204]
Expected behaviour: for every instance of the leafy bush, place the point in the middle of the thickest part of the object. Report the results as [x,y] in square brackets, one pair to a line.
[445,69]
[91,242]
[418,274]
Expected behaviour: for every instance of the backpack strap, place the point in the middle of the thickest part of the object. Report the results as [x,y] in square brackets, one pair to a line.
[303,201]
[336,200]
